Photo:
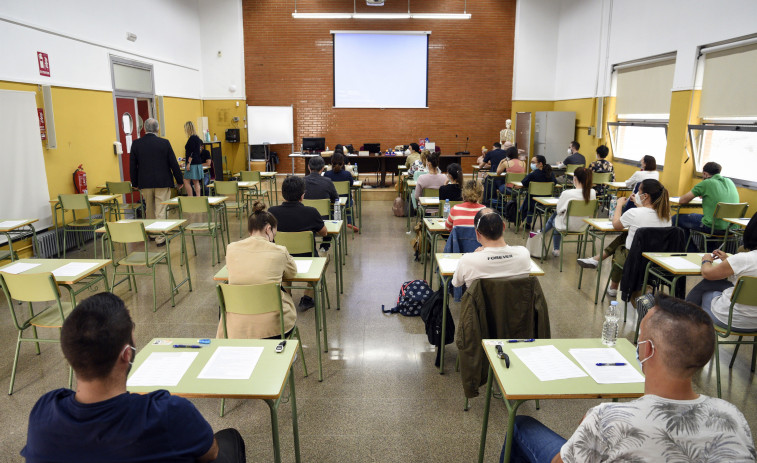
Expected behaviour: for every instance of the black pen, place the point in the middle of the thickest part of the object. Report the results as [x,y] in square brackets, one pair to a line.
[187,346]
[677,255]
[617,364]
[520,340]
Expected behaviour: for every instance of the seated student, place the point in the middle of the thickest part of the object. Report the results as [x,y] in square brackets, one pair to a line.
[495,258]
[257,260]
[413,155]
[433,179]
[652,210]
[319,187]
[648,170]
[418,167]
[714,189]
[512,165]
[541,171]
[100,421]
[602,166]
[339,174]
[582,191]
[574,157]
[453,189]
[293,216]
[670,422]
[462,214]
[714,293]
[492,158]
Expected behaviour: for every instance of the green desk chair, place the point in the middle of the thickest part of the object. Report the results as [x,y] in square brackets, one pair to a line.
[745,293]
[597,180]
[255,300]
[125,188]
[722,211]
[258,191]
[134,232]
[88,224]
[504,198]
[323,206]
[577,211]
[534,189]
[430,193]
[234,203]
[569,169]
[200,205]
[300,243]
[344,189]
[451,205]
[34,287]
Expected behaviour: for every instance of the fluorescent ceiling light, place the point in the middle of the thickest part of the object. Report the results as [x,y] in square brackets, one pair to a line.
[440,15]
[322,15]
[381,15]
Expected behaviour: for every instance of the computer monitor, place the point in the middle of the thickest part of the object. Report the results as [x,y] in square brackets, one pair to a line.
[314,144]
[372,147]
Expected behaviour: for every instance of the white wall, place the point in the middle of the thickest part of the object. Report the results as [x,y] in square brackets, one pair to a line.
[221,30]
[535,51]
[78,36]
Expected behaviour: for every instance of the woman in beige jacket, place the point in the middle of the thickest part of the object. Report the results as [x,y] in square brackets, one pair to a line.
[254,261]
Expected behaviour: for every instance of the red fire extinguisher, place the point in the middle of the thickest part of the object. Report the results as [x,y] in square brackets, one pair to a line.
[80,180]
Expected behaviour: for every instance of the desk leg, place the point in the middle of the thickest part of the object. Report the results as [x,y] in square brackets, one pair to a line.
[317,287]
[295,426]
[485,424]
[382,167]
[273,406]
[599,267]
[338,269]
[360,210]
[445,303]
[323,316]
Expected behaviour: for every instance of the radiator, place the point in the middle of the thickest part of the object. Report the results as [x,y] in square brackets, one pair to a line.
[49,241]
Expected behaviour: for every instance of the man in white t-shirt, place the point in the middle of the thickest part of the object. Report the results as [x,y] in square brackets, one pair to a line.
[495,258]
[670,422]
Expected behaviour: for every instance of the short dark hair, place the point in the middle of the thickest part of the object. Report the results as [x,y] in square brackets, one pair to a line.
[650,163]
[415,147]
[750,234]
[682,333]
[337,158]
[316,163]
[489,223]
[511,153]
[259,218]
[293,188]
[602,151]
[497,144]
[94,334]
[433,159]
[575,145]
[712,168]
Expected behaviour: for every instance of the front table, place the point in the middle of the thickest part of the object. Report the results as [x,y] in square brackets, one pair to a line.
[266,382]
[518,384]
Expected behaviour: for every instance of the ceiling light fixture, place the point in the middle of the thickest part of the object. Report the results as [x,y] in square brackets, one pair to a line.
[356,15]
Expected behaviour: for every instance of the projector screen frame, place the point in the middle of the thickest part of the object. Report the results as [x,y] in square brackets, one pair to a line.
[375,32]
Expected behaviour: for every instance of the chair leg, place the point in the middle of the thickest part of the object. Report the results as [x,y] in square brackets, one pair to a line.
[194,244]
[735,352]
[154,292]
[223,405]
[15,363]
[296,334]
[717,364]
[64,241]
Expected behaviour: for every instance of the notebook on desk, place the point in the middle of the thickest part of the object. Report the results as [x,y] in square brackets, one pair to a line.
[362,153]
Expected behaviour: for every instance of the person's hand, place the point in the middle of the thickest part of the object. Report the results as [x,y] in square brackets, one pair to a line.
[622,201]
[718,254]
[480,248]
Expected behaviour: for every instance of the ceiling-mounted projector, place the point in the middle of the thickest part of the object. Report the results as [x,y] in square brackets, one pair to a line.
[374,2]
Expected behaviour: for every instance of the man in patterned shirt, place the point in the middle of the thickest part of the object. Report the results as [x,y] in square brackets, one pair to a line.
[670,422]
[601,166]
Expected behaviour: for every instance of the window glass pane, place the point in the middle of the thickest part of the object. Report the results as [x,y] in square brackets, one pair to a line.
[634,142]
[132,79]
[735,151]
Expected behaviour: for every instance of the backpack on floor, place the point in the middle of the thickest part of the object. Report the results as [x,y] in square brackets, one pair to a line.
[412,296]
[511,211]
[431,313]
[399,208]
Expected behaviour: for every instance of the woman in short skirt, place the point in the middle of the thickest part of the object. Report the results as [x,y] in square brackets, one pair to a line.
[193,160]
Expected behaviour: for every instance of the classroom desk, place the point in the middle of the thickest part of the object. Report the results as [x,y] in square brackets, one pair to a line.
[106,202]
[741,222]
[357,187]
[598,228]
[693,267]
[170,229]
[425,202]
[476,170]
[17,227]
[409,190]
[676,206]
[68,281]
[216,205]
[445,273]
[433,228]
[335,229]
[518,384]
[315,278]
[271,178]
[544,205]
[267,381]
[241,185]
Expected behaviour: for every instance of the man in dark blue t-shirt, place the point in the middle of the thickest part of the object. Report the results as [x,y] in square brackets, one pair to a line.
[100,421]
[493,158]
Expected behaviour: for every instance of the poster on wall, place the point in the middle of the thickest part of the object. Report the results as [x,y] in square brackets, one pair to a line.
[42,128]
[44,64]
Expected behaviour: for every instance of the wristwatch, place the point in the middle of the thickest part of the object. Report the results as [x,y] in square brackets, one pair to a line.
[706,261]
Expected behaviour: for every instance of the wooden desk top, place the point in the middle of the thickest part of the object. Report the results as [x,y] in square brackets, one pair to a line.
[448,267]
[546,200]
[51,265]
[242,185]
[357,184]
[317,266]
[212,200]
[14,224]
[736,221]
[429,201]
[435,225]
[168,225]
[94,199]
[696,202]
[604,225]
[333,227]
[679,263]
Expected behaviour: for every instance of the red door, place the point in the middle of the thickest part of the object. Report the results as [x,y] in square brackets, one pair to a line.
[126,110]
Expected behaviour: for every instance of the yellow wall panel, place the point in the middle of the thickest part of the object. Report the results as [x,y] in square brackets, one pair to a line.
[177,112]
[220,114]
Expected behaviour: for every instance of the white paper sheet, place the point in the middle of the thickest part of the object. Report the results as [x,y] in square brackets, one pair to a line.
[548,363]
[588,359]
[679,263]
[534,267]
[303,266]
[550,201]
[162,369]
[159,225]
[230,362]
[93,199]
[73,269]
[448,265]
[19,267]
[11,223]
[604,224]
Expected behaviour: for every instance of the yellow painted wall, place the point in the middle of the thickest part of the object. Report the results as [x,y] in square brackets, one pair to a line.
[220,114]
[177,112]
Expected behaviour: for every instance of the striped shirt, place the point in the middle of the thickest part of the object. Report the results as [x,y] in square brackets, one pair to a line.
[462,214]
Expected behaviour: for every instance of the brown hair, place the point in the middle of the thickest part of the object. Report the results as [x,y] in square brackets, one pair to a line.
[473,191]
[583,175]
[433,159]
[659,196]
[260,218]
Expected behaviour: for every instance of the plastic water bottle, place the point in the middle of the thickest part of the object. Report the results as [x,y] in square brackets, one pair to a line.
[610,326]
[613,203]
[337,211]
[356,174]
[446,208]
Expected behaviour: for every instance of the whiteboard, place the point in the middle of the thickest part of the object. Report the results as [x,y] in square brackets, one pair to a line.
[24,188]
[270,124]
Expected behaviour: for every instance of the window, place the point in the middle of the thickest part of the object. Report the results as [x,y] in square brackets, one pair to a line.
[634,140]
[734,147]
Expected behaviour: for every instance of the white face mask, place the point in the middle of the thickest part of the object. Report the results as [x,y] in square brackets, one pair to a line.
[641,362]
[637,200]
[570,151]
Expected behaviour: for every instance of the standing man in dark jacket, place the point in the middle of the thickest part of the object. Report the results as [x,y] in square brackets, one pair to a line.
[152,165]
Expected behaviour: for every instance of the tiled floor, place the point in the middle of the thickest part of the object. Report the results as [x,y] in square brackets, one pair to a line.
[381,399]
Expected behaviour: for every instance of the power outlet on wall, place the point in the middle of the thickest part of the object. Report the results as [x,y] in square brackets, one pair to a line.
[591,130]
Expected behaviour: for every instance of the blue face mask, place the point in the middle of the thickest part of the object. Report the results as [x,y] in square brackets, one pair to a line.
[533,166]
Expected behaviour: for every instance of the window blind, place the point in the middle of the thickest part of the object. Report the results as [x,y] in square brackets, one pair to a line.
[645,89]
[729,83]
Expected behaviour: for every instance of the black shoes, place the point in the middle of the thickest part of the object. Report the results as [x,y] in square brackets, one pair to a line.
[306,303]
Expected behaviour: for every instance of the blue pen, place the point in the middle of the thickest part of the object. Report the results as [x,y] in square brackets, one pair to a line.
[187,346]
[618,364]
[520,340]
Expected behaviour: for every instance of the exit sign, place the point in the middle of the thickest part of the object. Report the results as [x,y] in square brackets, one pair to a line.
[44,64]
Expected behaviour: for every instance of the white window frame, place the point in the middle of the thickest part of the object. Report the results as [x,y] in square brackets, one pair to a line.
[612,131]
[696,139]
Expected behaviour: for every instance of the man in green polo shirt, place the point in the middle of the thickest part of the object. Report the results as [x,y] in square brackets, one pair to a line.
[713,189]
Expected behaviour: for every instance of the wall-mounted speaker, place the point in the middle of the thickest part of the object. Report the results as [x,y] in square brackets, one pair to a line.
[47,101]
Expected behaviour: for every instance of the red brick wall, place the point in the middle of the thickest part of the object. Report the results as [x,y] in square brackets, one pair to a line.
[290,61]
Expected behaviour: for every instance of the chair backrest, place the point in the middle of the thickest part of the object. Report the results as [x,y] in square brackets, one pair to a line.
[250,175]
[511,177]
[342,188]
[227,188]
[74,202]
[119,188]
[600,178]
[541,188]
[578,208]
[126,232]
[745,291]
[323,206]
[570,168]
[296,242]
[461,239]
[250,300]
[30,287]
[193,205]
[730,210]
[431,192]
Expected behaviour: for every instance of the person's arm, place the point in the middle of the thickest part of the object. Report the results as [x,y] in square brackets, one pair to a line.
[290,267]
[457,278]
[562,203]
[322,231]
[716,272]
[616,222]
[173,164]
[633,180]
[502,167]
[450,219]
[687,197]
[527,179]
[211,454]
[419,188]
